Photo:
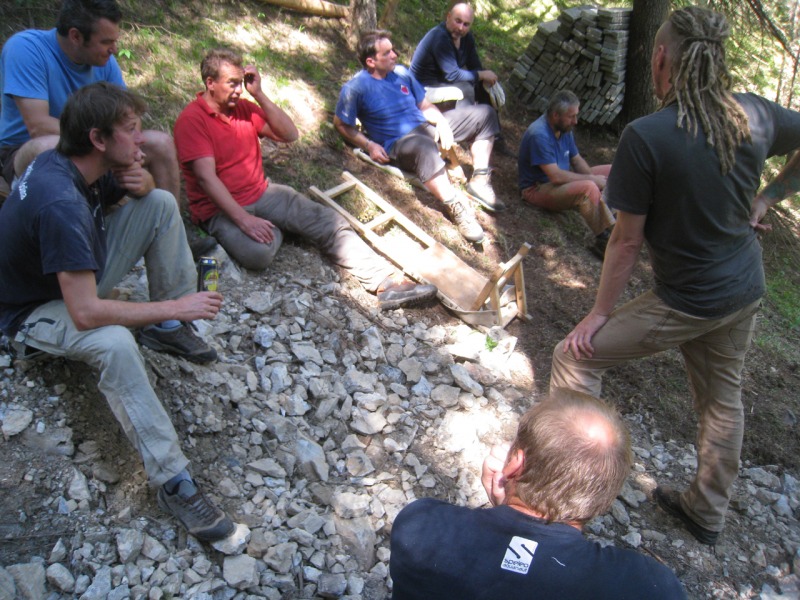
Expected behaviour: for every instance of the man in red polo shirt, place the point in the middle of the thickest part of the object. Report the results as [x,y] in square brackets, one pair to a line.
[217,137]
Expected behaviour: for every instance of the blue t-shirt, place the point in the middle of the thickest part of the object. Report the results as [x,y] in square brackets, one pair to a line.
[437,61]
[445,551]
[51,222]
[387,108]
[32,65]
[706,257]
[539,146]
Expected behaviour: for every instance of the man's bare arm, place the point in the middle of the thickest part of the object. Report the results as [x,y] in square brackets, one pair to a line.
[359,140]
[90,312]
[280,126]
[785,184]
[36,115]
[622,252]
[205,169]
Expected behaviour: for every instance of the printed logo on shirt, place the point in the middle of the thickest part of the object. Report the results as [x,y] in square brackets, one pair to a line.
[519,555]
[404,89]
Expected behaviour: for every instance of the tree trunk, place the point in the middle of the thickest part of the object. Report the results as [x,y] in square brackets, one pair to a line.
[321,8]
[646,18]
[387,17]
[363,17]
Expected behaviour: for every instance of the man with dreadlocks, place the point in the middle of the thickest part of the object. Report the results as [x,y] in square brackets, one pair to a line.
[685,180]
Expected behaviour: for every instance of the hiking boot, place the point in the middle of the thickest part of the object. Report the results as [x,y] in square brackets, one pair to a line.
[480,188]
[464,219]
[403,292]
[196,513]
[670,501]
[181,341]
[598,246]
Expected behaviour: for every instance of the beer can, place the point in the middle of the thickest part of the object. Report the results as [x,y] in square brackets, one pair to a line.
[207,274]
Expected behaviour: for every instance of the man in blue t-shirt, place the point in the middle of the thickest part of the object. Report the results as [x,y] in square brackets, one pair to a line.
[39,70]
[403,128]
[566,466]
[554,176]
[61,254]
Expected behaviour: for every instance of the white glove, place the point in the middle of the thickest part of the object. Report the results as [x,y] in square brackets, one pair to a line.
[444,135]
[496,95]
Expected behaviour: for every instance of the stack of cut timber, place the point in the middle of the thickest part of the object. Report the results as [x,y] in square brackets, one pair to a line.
[583,51]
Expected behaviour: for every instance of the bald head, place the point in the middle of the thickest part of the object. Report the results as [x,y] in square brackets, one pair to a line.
[458,20]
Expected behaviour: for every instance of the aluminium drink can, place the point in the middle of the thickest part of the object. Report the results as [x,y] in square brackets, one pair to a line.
[207,274]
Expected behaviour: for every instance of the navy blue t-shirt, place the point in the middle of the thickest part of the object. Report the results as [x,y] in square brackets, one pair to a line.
[52,222]
[444,551]
[437,61]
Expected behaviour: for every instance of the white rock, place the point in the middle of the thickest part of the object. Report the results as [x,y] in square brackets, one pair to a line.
[15,420]
[235,543]
[60,578]
[240,572]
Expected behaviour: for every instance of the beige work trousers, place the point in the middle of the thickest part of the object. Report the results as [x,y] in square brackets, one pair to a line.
[713,351]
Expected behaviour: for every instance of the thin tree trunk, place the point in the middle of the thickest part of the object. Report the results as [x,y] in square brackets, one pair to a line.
[363,17]
[646,18]
[387,17]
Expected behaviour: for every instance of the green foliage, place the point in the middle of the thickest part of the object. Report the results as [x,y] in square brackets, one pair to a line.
[491,343]
[784,295]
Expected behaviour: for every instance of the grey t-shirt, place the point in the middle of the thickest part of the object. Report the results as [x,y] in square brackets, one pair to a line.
[705,255]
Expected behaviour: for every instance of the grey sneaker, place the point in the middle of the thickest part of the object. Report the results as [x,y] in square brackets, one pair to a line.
[181,342]
[480,188]
[464,219]
[404,292]
[202,519]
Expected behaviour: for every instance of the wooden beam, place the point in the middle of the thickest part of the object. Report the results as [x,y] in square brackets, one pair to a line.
[321,8]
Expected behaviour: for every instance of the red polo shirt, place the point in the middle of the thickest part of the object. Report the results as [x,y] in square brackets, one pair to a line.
[232,141]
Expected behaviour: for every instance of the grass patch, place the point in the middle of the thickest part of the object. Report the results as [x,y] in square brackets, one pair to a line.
[784,296]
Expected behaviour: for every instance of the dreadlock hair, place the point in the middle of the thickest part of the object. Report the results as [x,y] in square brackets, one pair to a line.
[701,82]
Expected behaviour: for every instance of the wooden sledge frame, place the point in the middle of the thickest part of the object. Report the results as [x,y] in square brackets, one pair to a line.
[476,299]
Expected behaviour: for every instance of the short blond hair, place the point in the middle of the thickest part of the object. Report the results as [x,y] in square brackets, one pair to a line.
[577,456]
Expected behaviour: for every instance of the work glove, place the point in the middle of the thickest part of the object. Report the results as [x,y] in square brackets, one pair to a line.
[496,95]
[444,135]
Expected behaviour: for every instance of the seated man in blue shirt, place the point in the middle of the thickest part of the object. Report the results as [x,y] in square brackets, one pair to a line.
[554,176]
[447,55]
[39,70]
[566,466]
[403,128]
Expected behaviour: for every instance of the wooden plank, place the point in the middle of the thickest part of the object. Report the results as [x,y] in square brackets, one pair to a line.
[455,279]
[464,290]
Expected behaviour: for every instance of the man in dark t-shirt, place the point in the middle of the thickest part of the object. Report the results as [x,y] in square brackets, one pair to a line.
[61,255]
[529,545]
[687,185]
[448,55]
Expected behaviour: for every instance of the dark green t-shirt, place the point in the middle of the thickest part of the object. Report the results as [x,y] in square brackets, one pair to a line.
[705,255]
